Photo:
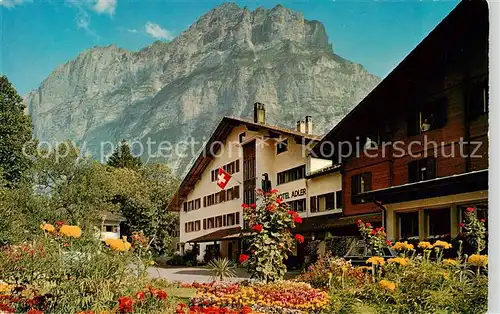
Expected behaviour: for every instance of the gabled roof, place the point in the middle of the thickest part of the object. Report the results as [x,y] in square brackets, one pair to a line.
[465,28]
[220,133]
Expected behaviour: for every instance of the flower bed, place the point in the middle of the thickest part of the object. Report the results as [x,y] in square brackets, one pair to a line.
[279,297]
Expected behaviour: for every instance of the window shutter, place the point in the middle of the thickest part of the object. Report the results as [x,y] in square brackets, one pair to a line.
[355,185]
[238,165]
[314,204]
[368,181]
[412,124]
[186,227]
[204,224]
[431,168]
[338,201]
[236,192]
[224,220]
[237,218]
[442,113]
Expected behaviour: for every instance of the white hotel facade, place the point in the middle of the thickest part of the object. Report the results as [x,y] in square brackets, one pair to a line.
[212,218]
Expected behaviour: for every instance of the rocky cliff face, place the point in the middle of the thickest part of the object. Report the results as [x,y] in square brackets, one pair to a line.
[229,59]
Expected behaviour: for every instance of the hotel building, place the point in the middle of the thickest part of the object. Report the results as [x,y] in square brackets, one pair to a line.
[434,104]
[212,218]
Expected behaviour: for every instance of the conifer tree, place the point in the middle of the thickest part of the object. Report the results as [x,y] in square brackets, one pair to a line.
[122,157]
[15,133]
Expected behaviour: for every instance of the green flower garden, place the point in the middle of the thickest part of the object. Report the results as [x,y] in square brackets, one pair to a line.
[64,268]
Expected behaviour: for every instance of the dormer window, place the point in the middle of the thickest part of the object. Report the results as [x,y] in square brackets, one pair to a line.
[429,117]
[282,147]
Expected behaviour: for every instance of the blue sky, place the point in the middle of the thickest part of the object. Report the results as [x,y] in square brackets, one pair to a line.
[38,35]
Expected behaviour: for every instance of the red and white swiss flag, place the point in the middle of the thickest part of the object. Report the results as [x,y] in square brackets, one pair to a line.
[222,178]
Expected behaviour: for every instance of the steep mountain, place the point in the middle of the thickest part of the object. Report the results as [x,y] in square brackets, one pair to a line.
[229,59]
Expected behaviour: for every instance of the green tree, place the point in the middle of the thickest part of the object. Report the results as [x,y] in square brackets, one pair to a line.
[143,196]
[78,189]
[15,133]
[122,157]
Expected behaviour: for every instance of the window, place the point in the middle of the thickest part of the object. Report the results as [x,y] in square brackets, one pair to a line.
[282,147]
[431,116]
[298,205]
[478,101]
[242,137]
[325,202]
[408,225]
[422,169]
[109,228]
[218,221]
[230,219]
[361,183]
[197,225]
[438,221]
[291,174]
[211,223]
[338,199]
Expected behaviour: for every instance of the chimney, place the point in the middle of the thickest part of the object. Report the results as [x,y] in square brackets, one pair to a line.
[309,125]
[301,126]
[259,113]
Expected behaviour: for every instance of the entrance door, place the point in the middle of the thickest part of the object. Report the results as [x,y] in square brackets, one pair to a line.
[230,251]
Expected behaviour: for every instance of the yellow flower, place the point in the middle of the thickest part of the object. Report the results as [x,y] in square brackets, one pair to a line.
[5,287]
[120,245]
[442,244]
[450,261]
[401,246]
[71,231]
[400,260]
[478,260]
[47,227]
[387,285]
[425,245]
[376,260]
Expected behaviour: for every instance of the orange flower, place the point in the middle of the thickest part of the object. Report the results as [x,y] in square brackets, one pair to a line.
[47,227]
[70,231]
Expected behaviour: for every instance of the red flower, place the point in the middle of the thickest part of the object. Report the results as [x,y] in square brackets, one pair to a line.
[293,213]
[297,219]
[271,208]
[381,229]
[482,220]
[253,205]
[274,191]
[33,311]
[388,242]
[359,222]
[299,238]
[160,294]
[470,209]
[243,258]
[257,228]
[461,224]
[140,295]
[244,205]
[125,304]
[60,223]
[374,232]
[279,200]
[368,225]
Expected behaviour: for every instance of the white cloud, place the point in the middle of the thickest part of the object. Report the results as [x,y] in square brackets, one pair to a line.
[105,6]
[157,31]
[13,3]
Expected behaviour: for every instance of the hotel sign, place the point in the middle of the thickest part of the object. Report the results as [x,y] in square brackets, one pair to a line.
[293,194]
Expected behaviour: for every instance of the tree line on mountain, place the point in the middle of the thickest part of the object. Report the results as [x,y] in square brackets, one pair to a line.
[63,184]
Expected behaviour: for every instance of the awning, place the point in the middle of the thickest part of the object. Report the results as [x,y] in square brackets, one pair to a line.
[320,223]
[224,234]
[457,184]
